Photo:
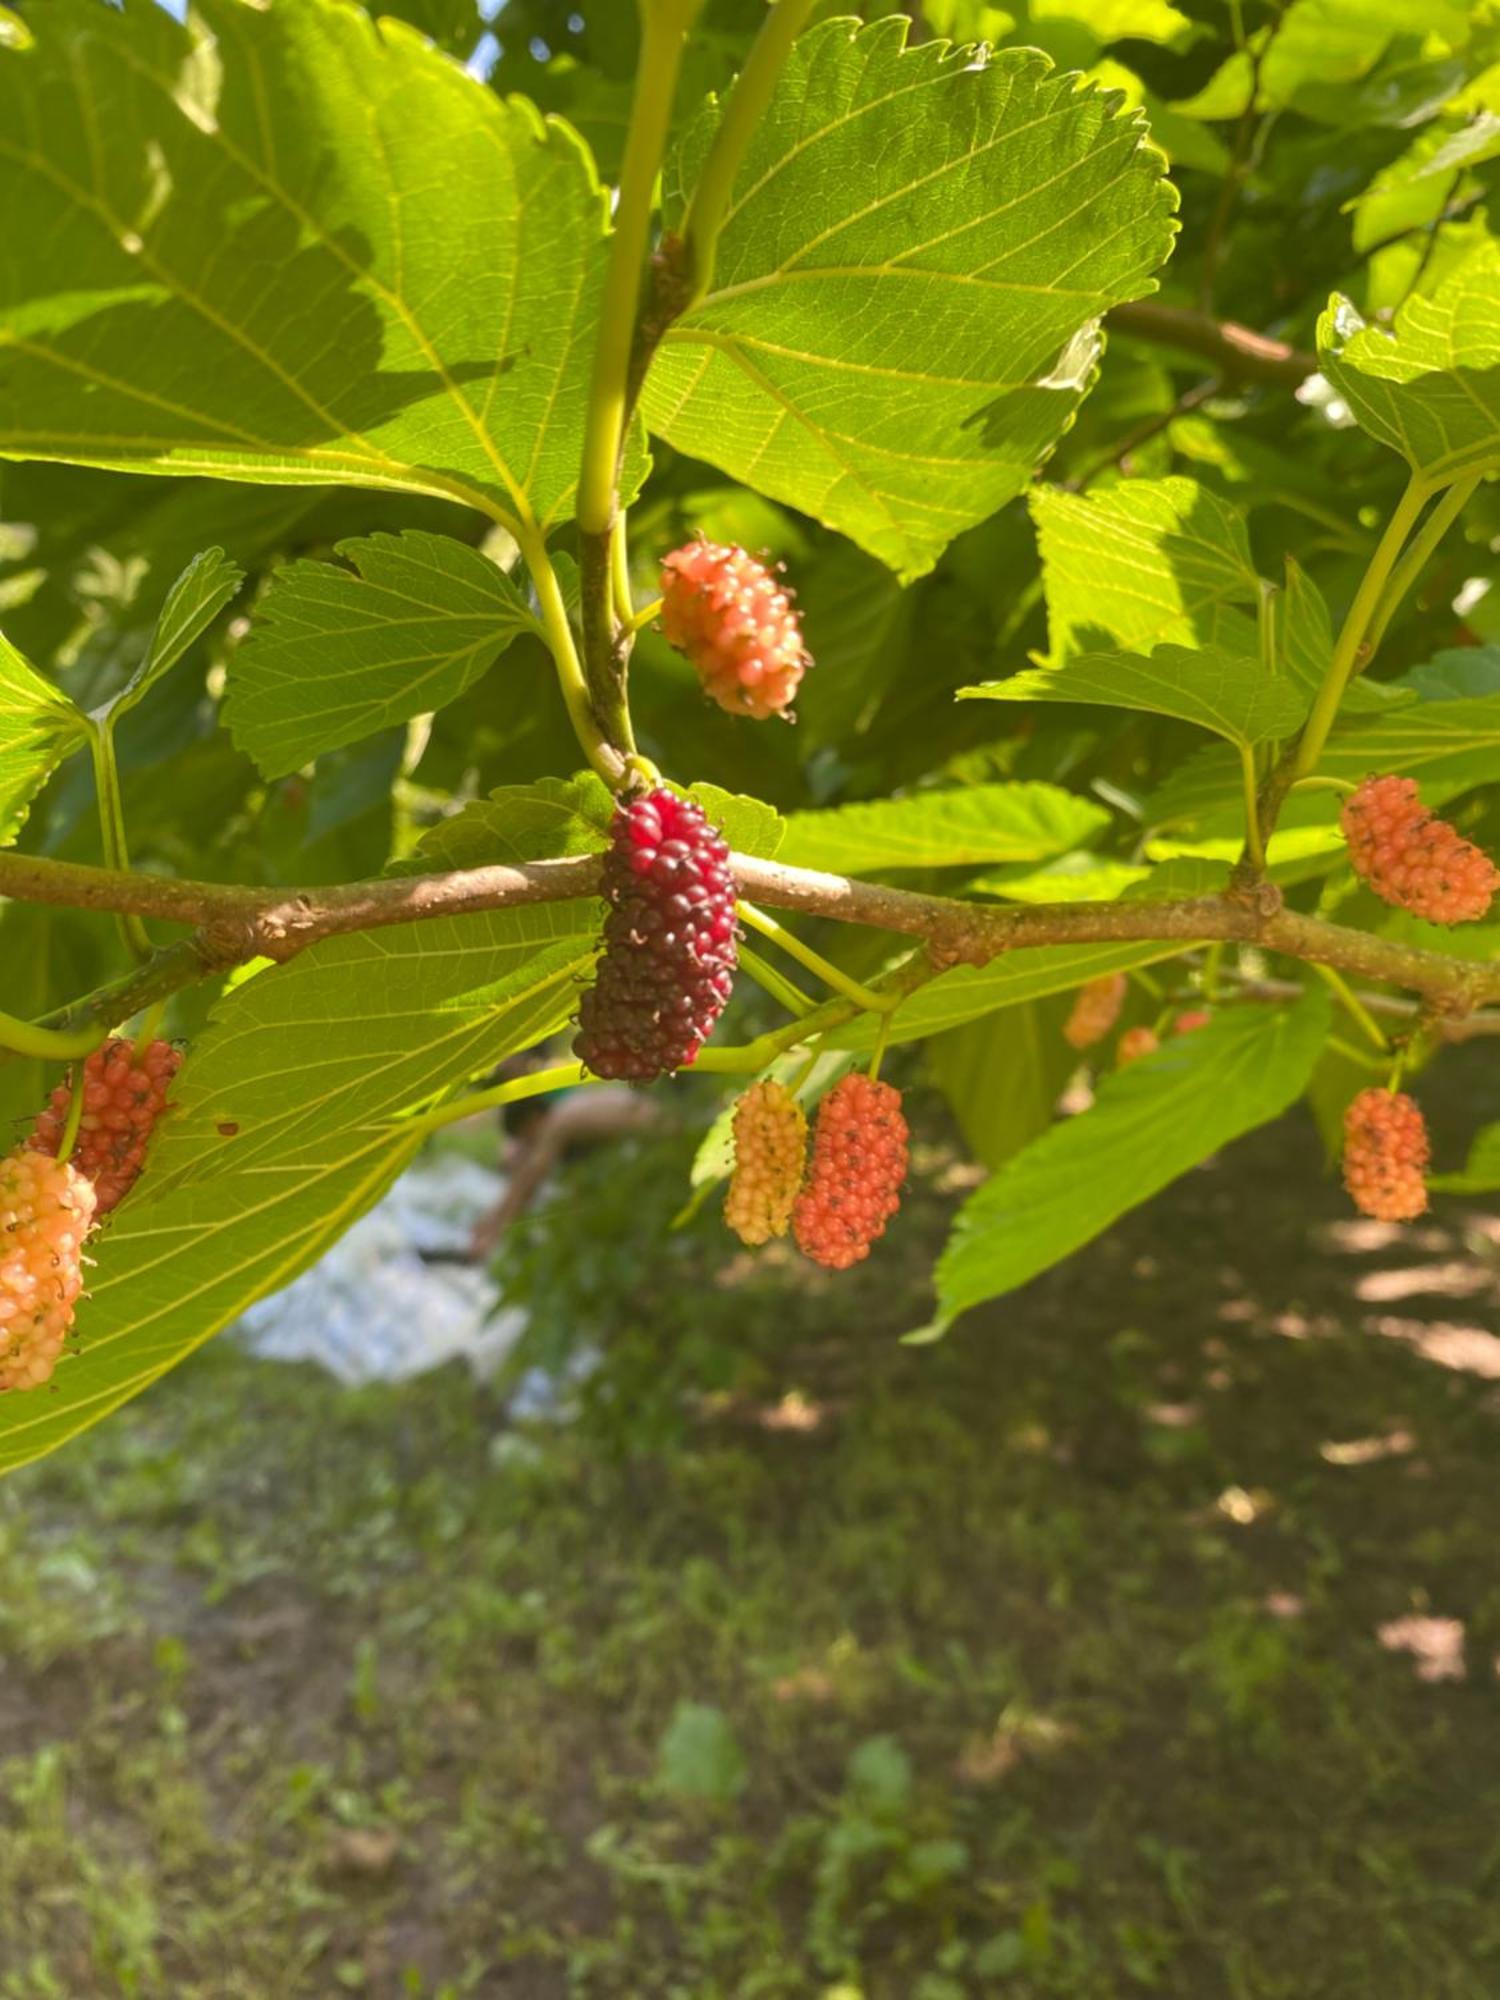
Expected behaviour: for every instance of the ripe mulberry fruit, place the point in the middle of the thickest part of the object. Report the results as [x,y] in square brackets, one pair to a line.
[46,1210]
[123,1096]
[770,1147]
[1413,860]
[854,1182]
[736,623]
[669,954]
[1135,1043]
[1386,1155]
[1096,1010]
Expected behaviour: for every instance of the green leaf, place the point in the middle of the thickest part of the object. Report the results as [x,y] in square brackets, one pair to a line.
[1225,692]
[195,600]
[1072,878]
[1002,1074]
[971,990]
[555,816]
[700,1756]
[1305,649]
[286,1128]
[1481,1173]
[1447,745]
[1147,561]
[749,825]
[1150,1123]
[899,327]
[39,726]
[338,653]
[1431,389]
[282,244]
[947,829]
[1415,188]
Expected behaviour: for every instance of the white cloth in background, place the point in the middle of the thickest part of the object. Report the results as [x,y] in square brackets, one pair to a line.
[373,1310]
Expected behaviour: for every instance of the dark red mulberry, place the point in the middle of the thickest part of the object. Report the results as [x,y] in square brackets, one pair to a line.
[123,1096]
[735,621]
[669,954]
[855,1177]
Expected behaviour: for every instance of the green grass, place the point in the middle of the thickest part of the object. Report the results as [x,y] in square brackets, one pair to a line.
[1042,1663]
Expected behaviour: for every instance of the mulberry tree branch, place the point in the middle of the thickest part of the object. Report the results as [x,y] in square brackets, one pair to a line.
[232,923]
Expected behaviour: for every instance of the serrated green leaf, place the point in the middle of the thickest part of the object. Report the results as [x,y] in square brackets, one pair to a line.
[195,600]
[285,1128]
[1481,1172]
[1431,389]
[1151,1122]
[280,244]
[39,726]
[337,653]
[555,816]
[1228,693]
[899,325]
[1147,561]
[749,825]
[948,829]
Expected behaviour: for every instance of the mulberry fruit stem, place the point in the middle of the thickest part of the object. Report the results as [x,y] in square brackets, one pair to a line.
[664,26]
[882,1043]
[112,824]
[793,946]
[74,1120]
[29,1038]
[609,757]
[1346,659]
[746,105]
[559,1076]
[780,988]
[1350,1001]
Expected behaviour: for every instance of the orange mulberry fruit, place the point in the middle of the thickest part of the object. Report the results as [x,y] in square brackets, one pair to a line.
[735,621]
[1413,860]
[123,1097]
[1386,1152]
[770,1148]
[46,1211]
[856,1173]
[1096,1010]
[1135,1043]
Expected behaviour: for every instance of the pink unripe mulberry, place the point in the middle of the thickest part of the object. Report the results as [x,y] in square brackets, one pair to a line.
[1191,1019]
[1413,860]
[46,1211]
[855,1176]
[1386,1154]
[670,951]
[1135,1043]
[1096,1010]
[124,1094]
[735,621]
[770,1149]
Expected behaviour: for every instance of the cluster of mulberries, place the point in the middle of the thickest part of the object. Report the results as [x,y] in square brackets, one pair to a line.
[733,619]
[1413,860]
[1096,1010]
[669,941]
[1386,1154]
[46,1211]
[770,1146]
[123,1096]
[1135,1043]
[855,1176]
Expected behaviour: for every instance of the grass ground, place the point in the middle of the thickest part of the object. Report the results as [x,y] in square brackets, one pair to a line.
[1137,1640]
